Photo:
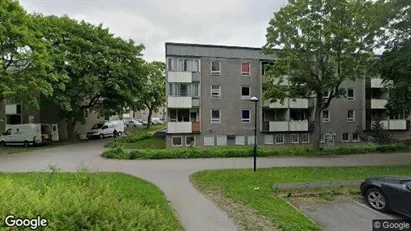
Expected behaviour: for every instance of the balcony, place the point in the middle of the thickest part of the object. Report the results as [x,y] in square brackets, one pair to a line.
[278,104]
[285,126]
[378,103]
[179,77]
[299,126]
[179,102]
[392,124]
[299,103]
[11,109]
[183,127]
[378,83]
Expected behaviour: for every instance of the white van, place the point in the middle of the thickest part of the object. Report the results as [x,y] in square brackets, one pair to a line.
[106,129]
[29,134]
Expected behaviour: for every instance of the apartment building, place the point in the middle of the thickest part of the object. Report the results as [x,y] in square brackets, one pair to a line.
[208,102]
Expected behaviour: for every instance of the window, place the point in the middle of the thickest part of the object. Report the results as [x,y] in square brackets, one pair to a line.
[173,115]
[215,116]
[397,117]
[346,137]
[183,89]
[180,115]
[245,69]
[245,116]
[322,138]
[245,92]
[8,132]
[177,141]
[351,116]
[305,138]
[298,115]
[215,91]
[215,68]
[170,64]
[294,138]
[326,95]
[279,138]
[195,92]
[180,64]
[190,140]
[196,65]
[350,94]
[326,116]
[186,65]
[355,137]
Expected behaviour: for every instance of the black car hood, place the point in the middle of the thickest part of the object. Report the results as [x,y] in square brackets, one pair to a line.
[389,179]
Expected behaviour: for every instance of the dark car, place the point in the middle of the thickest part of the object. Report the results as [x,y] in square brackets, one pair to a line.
[161,134]
[386,194]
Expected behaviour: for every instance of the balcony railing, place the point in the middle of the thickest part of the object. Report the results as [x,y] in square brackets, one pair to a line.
[179,102]
[179,77]
[378,103]
[183,127]
[285,126]
[392,124]
[292,103]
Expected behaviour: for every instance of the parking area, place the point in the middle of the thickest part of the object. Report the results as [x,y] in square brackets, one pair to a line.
[343,215]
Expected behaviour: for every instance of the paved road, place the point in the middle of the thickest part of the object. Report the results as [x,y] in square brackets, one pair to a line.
[171,176]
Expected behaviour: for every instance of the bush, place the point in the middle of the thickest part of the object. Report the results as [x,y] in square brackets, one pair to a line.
[129,139]
[116,153]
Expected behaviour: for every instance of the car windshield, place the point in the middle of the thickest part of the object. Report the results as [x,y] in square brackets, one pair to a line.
[406,181]
[97,126]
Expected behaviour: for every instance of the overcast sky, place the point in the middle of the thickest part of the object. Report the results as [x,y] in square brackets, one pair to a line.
[224,22]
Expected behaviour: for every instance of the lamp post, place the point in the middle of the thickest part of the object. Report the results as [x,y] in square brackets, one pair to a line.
[255,100]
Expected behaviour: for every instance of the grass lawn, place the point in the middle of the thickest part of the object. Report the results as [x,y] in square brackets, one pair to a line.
[86,201]
[243,192]
[151,143]
[18,149]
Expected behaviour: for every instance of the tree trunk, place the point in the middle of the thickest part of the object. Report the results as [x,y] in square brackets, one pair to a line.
[150,112]
[317,128]
[71,124]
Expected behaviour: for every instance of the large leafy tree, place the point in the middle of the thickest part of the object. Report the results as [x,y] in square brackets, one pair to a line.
[103,70]
[152,96]
[320,44]
[25,66]
[395,63]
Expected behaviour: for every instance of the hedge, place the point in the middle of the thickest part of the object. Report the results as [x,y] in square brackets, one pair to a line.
[217,152]
[129,139]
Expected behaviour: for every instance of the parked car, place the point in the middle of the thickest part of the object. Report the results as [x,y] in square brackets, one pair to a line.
[29,134]
[163,121]
[106,129]
[386,194]
[132,123]
[161,134]
[154,121]
[142,122]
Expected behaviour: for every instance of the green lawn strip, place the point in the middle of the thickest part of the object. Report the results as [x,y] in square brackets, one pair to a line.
[255,189]
[221,152]
[87,201]
[131,141]
[151,143]
[19,149]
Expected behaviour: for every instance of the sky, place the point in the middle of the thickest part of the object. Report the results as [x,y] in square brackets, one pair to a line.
[152,23]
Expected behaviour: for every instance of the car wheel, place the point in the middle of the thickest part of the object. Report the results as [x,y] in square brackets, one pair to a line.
[26,144]
[377,200]
[119,133]
[101,136]
[2,144]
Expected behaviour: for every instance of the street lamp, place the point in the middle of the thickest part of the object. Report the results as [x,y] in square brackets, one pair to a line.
[255,100]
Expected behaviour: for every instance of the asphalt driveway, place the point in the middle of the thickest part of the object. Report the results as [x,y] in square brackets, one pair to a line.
[171,176]
[343,215]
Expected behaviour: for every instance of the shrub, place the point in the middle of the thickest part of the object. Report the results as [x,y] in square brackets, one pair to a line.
[116,153]
[129,139]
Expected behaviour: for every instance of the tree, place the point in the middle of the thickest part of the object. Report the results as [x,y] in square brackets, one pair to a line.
[394,65]
[153,94]
[318,45]
[25,66]
[103,70]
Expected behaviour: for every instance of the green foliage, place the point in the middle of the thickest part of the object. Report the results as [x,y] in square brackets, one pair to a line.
[228,152]
[379,134]
[322,44]
[26,68]
[239,185]
[129,139]
[86,201]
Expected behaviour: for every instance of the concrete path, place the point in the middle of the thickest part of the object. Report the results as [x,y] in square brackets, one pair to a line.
[171,176]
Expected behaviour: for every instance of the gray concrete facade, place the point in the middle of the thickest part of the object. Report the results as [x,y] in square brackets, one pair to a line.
[231,103]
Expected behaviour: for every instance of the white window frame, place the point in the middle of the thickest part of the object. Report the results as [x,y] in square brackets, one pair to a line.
[249,69]
[194,142]
[172,141]
[199,65]
[219,91]
[345,141]
[278,135]
[358,137]
[182,64]
[328,95]
[305,141]
[322,116]
[353,118]
[322,138]
[296,140]
[249,93]
[219,68]
[170,68]
[353,94]
[245,120]
[211,116]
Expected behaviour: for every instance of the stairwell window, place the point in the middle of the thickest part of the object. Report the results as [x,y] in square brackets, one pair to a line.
[326,116]
[322,138]
[346,137]
[215,91]
[245,92]
[351,116]
[355,137]
[279,138]
[215,115]
[215,68]
[245,116]
[350,94]
[245,69]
